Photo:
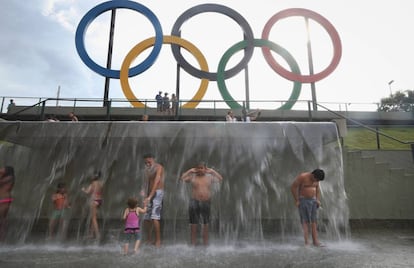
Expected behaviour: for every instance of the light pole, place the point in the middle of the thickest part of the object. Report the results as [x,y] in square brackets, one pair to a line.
[109,58]
[389,85]
[310,63]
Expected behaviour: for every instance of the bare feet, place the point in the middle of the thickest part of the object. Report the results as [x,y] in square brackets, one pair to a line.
[318,244]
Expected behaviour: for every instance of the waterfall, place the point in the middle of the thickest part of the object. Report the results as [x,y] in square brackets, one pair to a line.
[257,160]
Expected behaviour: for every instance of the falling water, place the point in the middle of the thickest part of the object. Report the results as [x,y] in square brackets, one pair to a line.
[258,162]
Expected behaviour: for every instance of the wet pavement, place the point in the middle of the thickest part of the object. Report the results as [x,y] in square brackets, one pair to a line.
[365,248]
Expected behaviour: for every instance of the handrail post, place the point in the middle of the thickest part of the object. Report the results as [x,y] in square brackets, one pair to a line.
[310,111]
[108,109]
[214,106]
[2,104]
[378,139]
[42,110]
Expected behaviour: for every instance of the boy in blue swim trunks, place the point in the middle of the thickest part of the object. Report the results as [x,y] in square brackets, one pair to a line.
[306,192]
[201,179]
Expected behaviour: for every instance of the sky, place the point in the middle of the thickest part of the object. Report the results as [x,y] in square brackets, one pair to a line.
[39,57]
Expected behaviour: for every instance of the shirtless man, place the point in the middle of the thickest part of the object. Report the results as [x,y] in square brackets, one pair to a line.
[306,192]
[6,186]
[94,190]
[153,193]
[201,179]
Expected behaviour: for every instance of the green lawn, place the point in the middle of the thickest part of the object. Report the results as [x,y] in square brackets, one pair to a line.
[361,138]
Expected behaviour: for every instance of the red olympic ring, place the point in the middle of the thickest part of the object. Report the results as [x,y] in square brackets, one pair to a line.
[324,23]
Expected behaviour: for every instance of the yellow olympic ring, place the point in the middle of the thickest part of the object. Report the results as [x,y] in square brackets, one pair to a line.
[167,39]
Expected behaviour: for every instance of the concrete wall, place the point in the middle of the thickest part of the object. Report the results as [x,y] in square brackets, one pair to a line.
[377,188]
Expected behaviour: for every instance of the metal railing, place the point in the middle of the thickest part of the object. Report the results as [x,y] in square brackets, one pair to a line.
[210,104]
[376,131]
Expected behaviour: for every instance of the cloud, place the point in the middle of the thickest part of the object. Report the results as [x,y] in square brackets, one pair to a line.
[64,12]
[38,53]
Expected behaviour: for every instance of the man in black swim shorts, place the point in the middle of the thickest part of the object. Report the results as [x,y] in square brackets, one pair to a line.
[201,179]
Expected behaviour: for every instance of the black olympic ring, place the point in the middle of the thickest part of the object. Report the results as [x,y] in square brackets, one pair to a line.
[248,36]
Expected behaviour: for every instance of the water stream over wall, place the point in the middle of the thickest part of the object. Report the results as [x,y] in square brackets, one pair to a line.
[258,162]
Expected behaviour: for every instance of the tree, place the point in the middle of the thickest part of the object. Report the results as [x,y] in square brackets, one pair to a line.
[400,101]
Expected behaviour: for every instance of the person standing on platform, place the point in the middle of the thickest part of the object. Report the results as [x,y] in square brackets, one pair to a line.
[174,104]
[158,99]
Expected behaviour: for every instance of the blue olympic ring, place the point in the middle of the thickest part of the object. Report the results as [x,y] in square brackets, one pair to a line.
[98,10]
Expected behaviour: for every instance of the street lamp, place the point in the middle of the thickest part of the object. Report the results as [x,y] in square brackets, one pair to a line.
[389,85]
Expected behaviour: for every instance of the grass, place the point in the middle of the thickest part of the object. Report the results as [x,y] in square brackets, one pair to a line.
[363,139]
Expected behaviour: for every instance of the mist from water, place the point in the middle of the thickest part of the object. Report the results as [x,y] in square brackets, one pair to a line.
[258,162]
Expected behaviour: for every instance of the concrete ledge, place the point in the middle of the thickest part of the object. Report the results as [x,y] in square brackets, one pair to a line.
[206,114]
[356,224]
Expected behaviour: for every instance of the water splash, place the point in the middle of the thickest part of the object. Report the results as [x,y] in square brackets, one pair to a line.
[257,160]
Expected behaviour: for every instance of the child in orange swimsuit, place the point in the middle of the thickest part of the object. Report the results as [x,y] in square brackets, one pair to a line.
[60,204]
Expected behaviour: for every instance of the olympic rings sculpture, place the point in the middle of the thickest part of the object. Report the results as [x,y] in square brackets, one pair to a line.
[203,73]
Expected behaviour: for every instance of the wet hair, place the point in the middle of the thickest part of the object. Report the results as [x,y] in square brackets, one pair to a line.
[60,186]
[132,202]
[319,174]
[96,175]
[8,171]
[148,155]
[201,164]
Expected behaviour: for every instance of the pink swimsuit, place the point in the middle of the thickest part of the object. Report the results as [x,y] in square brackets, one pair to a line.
[132,222]
[6,200]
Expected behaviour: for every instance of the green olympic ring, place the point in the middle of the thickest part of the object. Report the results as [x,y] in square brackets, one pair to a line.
[257,43]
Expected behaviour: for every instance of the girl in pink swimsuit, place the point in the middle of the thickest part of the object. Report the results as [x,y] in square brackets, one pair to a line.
[132,224]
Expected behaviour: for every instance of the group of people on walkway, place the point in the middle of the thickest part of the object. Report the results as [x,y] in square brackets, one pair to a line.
[165,104]
[305,191]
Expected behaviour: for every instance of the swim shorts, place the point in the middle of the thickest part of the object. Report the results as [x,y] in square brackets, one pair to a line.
[154,207]
[128,237]
[307,210]
[58,213]
[199,212]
